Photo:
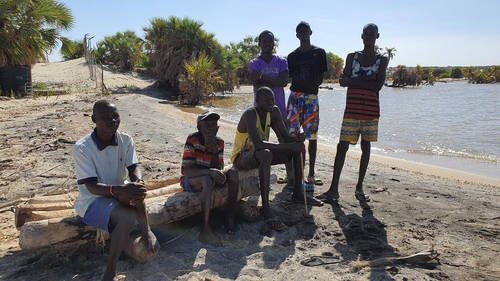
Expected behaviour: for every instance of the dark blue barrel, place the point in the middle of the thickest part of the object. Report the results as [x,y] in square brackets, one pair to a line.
[16,79]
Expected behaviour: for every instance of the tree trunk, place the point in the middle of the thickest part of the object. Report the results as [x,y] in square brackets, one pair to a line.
[68,232]
[61,206]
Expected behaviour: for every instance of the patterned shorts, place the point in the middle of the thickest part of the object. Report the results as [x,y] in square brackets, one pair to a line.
[246,160]
[303,111]
[352,128]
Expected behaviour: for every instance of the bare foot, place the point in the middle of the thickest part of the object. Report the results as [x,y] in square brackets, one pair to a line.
[231,223]
[207,237]
[150,241]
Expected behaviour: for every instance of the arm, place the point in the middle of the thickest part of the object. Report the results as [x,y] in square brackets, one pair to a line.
[189,162]
[323,67]
[251,119]
[373,82]
[134,173]
[280,81]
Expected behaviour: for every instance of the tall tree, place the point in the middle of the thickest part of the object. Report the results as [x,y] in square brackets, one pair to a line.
[30,29]
[78,52]
[390,52]
[174,42]
[123,49]
[404,77]
[335,65]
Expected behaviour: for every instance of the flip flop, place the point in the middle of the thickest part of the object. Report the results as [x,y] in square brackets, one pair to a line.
[282,180]
[362,197]
[313,180]
[275,223]
[318,182]
[327,199]
[310,201]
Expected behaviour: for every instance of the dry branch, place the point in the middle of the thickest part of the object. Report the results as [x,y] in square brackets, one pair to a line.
[420,257]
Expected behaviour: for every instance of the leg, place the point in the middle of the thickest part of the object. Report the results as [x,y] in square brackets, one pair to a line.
[288,165]
[298,174]
[312,149]
[363,164]
[310,124]
[122,221]
[233,186]
[342,149]
[298,195]
[264,157]
[205,184]
[142,219]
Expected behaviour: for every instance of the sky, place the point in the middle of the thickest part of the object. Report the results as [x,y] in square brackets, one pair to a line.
[425,32]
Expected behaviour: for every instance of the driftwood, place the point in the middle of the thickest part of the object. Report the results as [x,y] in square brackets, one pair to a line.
[68,232]
[420,257]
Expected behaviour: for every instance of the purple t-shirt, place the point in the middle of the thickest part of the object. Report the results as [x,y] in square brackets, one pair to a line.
[272,69]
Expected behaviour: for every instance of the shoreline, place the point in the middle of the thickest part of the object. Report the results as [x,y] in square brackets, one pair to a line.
[470,167]
[376,159]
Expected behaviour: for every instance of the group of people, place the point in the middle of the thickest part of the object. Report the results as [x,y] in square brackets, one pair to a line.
[110,182]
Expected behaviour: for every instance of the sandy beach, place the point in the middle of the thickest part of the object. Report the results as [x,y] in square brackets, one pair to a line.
[414,207]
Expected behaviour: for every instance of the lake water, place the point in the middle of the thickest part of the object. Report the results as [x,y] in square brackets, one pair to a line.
[453,125]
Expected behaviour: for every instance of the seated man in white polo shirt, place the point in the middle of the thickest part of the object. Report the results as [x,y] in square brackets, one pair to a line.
[109,180]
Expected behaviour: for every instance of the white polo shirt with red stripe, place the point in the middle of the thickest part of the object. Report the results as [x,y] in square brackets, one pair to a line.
[95,161]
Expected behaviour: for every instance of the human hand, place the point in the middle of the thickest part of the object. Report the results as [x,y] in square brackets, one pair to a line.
[255,75]
[300,137]
[132,193]
[218,176]
[344,80]
[211,143]
[298,147]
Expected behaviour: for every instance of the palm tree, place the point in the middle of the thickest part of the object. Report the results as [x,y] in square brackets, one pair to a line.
[29,30]
[123,49]
[200,81]
[390,52]
[175,41]
[78,52]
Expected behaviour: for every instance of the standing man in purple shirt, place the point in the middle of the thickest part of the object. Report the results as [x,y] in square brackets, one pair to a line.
[272,71]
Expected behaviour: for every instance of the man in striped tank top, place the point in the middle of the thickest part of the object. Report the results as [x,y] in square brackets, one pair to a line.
[364,76]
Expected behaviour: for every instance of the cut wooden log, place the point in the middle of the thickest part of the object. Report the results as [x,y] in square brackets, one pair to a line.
[43,215]
[155,184]
[67,232]
[47,207]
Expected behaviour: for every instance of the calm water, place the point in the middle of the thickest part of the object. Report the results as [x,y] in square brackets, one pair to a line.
[453,125]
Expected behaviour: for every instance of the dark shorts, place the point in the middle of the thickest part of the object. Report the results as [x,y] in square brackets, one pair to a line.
[186,185]
[246,160]
[99,212]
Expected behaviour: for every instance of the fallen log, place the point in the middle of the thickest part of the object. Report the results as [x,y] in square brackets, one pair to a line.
[48,207]
[68,232]
[420,257]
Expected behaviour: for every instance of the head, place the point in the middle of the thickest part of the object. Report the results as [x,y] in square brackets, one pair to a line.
[303,31]
[370,34]
[265,99]
[266,41]
[106,117]
[207,124]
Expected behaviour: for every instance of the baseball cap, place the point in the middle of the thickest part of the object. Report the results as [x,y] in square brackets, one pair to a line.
[207,116]
[302,24]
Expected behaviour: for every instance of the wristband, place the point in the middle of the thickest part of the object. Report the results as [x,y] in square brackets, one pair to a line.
[111,191]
